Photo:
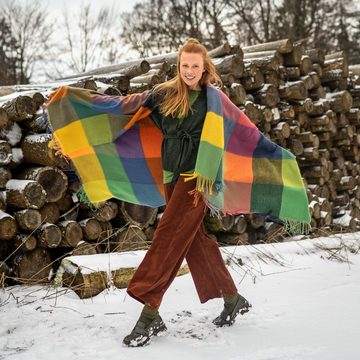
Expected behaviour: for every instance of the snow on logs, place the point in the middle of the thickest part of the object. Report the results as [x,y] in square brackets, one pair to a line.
[301,98]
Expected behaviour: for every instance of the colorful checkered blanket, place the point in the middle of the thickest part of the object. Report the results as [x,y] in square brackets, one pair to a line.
[116,149]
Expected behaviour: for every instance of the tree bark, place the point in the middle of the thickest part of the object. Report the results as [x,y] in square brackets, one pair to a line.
[52,179]
[7,226]
[28,219]
[32,267]
[20,108]
[71,233]
[25,194]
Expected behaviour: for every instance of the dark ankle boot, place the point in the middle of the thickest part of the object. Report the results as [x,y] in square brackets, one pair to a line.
[149,324]
[228,315]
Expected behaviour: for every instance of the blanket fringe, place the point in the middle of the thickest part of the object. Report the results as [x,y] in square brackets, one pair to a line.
[296,227]
[203,184]
[83,198]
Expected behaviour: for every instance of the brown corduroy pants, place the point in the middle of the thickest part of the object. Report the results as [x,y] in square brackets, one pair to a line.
[180,234]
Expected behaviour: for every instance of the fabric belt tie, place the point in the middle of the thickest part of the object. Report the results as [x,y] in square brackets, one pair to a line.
[187,146]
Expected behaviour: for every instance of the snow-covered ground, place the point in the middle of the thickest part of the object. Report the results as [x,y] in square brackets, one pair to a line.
[306,305]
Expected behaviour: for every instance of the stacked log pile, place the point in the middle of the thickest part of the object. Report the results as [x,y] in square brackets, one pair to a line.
[300,98]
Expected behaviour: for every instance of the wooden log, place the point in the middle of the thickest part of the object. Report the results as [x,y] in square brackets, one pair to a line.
[317,93]
[32,267]
[316,80]
[36,150]
[114,91]
[84,248]
[20,108]
[268,95]
[52,179]
[319,107]
[48,236]
[4,119]
[71,233]
[281,130]
[137,69]
[86,84]
[3,200]
[340,64]
[50,213]
[256,221]
[5,153]
[253,82]
[342,199]
[25,194]
[71,214]
[86,282]
[106,231]
[65,203]
[346,183]
[340,101]
[128,239]
[264,64]
[316,55]
[289,72]
[355,69]
[105,212]
[28,219]
[220,51]
[272,77]
[236,49]
[253,112]
[25,242]
[240,224]
[149,79]
[5,176]
[308,81]
[305,105]
[214,224]
[231,64]
[354,116]
[325,219]
[282,46]
[91,228]
[295,90]
[36,124]
[294,57]
[305,65]
[12,133]
[268,54]
[315,210]
[228,79]
[7,226]
[296,147]
[138,215]
[237,94]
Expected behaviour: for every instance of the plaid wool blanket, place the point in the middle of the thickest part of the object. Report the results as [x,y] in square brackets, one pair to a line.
[116,149]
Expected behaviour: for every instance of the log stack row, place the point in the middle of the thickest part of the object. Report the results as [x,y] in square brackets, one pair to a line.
[300,98]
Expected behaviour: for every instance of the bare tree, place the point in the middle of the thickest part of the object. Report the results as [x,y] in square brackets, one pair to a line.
[30,28]
[8,55]
[162,25]
[90,38]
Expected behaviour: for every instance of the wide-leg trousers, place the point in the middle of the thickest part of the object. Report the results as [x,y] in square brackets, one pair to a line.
[180,234]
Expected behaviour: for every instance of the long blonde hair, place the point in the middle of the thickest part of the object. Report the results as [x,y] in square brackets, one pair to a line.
[174,93]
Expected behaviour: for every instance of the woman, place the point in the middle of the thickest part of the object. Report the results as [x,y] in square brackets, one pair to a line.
[184,143]
[179,111]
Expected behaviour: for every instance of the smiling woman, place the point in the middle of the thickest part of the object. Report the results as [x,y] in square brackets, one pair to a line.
[191,69]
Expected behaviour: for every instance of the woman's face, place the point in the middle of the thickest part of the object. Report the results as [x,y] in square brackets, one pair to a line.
[191,69]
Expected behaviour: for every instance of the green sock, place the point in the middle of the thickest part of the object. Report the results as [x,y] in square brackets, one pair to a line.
[148,314]
[230,301]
